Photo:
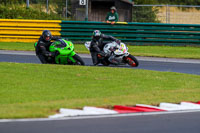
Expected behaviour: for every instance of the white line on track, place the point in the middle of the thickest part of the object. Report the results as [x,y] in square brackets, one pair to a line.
[98,116]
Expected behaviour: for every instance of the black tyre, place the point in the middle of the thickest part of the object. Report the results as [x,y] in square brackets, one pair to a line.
[132,61]
[79,60]
[105,62]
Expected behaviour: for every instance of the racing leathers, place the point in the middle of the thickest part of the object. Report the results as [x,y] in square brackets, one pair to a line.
[42,50]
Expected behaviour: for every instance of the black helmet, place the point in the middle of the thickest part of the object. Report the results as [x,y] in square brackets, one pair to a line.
[46,35]
[97,34]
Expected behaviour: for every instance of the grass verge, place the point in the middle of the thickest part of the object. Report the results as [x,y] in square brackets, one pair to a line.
[36,90]
[152,51]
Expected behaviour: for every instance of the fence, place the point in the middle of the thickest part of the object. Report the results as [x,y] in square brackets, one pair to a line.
[135,33]
[81,31]
[177,14]
[15,30]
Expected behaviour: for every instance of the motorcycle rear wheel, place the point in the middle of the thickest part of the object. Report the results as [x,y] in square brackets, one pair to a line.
[105,63]
[79,60]
[132,61]
[103,60]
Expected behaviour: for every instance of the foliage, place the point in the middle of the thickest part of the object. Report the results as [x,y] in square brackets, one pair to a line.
[170,2]
[13,11]
[179,2]
[7,2]
[60,7]
[145,14]
[56,9]
[148,14]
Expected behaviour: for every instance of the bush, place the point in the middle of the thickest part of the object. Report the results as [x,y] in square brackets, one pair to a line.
[21,12]
[145,14]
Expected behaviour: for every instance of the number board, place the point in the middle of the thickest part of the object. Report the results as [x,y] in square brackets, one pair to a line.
[82,2]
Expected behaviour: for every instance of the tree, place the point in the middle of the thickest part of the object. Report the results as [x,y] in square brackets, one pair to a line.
[145,14]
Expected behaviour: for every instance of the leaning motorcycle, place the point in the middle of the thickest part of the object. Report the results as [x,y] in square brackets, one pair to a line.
[64,53]
[117,53]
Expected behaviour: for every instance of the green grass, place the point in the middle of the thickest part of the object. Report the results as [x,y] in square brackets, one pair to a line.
[166,51]
[17,46]
[36,90]
[152,51]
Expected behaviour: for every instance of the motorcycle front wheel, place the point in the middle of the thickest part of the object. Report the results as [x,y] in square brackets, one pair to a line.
[79,60]
[131,60]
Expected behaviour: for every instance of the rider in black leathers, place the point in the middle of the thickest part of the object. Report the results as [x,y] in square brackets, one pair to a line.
[42,48]
[97,45]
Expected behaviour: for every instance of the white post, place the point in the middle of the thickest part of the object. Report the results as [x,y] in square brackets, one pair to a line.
[167,13]
[86,17]
[27,3]
[47,5]
[66,10]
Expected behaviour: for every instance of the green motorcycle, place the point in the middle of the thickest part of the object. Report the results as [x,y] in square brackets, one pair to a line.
[64,53]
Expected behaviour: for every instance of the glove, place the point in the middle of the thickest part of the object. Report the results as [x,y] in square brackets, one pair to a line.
[50,54]
[53,54]
[47,54]
[118,42]
[113,48]
[57,53]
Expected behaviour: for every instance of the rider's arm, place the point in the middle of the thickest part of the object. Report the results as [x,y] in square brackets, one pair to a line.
[111,38]
[55,38]
[43,49]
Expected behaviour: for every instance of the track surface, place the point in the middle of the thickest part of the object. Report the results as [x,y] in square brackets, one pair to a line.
[157,64]
[165,123]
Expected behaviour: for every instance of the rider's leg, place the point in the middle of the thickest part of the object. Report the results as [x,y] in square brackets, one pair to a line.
[95,58]
[42,59]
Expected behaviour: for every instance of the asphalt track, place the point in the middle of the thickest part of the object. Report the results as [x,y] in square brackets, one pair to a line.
[157,123]
[152,123]
[189,66]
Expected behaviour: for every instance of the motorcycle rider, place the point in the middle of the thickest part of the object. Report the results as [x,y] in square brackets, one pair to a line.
[42,48]
[97,44]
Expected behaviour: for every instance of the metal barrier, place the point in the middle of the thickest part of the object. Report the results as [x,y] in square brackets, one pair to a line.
[135,33]
[16,30]
[81,31]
